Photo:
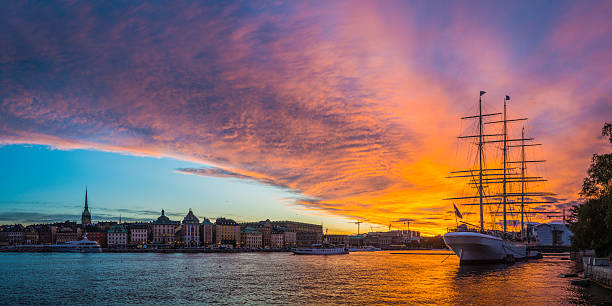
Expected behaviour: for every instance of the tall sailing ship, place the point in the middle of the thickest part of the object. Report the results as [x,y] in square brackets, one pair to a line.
[503,187]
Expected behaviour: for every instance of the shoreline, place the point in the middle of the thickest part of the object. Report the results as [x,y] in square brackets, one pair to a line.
[47,249]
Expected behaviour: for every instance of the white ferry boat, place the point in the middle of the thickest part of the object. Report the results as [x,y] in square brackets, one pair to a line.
[365,249]
[319,249]
[82,246]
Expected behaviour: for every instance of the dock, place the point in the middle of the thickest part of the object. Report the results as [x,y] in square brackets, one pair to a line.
[598,270]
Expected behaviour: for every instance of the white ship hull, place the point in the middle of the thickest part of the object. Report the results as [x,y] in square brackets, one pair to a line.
[365,249]
[473,247]
[73,249]
[81,246]
[320,251]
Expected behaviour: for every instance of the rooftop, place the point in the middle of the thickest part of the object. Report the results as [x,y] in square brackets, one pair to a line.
[223,221]
[164,220]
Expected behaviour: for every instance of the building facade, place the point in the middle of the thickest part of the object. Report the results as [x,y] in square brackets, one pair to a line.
[207,232]
[117,236]
[191,229]
[15,234]
[95,234]
[336,239]
[250,238]
[44,234]
[290,239]
[552,234]
[139,233]
[265,228]
[163,229]
[306,233]
[30,235]
[227,231]
[277,240]
[67,233]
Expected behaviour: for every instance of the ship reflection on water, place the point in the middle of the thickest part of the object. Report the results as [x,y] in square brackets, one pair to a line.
[283,278]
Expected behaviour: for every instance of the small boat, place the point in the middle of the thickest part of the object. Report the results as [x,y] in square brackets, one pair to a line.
[365,249]
[320,249]
[82,246]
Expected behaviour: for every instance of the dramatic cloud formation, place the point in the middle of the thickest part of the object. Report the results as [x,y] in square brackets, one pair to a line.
[353,105]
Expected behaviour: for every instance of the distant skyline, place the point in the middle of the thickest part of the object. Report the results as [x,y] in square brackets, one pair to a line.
[116,189]
[321,112]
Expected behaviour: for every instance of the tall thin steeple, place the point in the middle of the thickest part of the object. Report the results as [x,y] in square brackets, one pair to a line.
[86,216]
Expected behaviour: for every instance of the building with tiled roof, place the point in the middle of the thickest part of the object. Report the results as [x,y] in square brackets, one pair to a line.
[117,236]
[163,229]
[227,231]
[191,229]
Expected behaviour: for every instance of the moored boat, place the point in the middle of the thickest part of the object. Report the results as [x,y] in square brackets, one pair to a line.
[82,246]
[496,187]
[364,249]
[320,249]
[474,247]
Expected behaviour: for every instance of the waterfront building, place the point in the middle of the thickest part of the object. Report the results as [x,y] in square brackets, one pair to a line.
[207,232]
[164,229]
[306,233]
[336,239]
[86,216]
[308,238]
[105,225]
[382,239]
[264,227]
[33,234]
[30,235]
[191,229]
[227,231]
[277,239]
[14,234]
[117,236]
[67,233]
[290,239]
[3,235]
[179,233]
[356,240]
[250,238]
[139,233]
[94,233]
[552,234]
[44,233]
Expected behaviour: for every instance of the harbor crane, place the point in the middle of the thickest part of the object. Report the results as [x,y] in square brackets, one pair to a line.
[358,222]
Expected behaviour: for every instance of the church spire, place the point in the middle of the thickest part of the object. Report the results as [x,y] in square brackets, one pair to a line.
[86,215]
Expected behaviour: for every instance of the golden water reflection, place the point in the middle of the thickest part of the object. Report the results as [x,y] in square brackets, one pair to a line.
[283,278]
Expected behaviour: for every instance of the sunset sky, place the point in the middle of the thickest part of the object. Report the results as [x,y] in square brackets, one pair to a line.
[317,111]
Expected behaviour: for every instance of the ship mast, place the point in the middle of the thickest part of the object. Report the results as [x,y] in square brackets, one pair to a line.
[522,182]
[503,175]
[505,153]
[480,144]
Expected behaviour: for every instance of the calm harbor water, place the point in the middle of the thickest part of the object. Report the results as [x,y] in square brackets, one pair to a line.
[283,278]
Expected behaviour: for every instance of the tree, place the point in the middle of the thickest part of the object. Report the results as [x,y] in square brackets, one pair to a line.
[599,180]
[591,221]
[607,130]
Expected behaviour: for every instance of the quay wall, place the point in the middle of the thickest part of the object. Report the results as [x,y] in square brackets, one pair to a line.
[598,270]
